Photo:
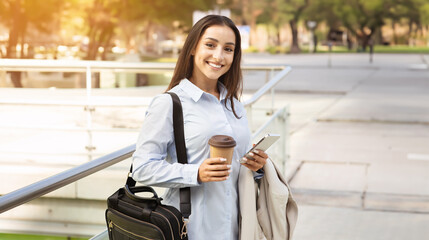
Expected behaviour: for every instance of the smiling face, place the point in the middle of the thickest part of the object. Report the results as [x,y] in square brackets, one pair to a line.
[214,53]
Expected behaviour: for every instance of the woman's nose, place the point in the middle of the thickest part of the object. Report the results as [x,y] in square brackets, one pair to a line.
[218,54]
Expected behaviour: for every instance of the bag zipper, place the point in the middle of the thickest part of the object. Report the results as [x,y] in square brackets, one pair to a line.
[178,222]
[166,219]
[183,232]
[111,225]
[136,220]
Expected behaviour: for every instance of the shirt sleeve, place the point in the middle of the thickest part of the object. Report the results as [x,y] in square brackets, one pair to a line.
[258,174]
[156,139]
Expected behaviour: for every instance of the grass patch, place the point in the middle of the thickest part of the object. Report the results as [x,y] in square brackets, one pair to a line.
[377,49]
[10,236]
[158,59]
[344,49]
[400,49]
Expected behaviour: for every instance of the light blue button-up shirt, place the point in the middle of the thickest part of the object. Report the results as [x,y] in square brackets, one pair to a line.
[214,204]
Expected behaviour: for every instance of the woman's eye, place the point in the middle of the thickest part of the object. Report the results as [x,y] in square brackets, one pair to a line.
[229,49]
[210,45]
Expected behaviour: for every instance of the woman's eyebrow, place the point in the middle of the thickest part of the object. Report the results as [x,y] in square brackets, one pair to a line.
[214,39]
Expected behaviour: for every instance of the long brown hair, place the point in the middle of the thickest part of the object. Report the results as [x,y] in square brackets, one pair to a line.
[232,79]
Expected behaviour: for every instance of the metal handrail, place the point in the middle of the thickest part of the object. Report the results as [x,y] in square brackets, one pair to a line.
[95,66]
[40,188]
[62,179]
[90,102]
[268,86]
[75,103]
[81,65]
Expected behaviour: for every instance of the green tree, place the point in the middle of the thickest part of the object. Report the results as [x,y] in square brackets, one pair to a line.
[247,12]
[322,12]
[361,17]
[279,12]
[293,9]
[19,15]
[104,17]
[424,12]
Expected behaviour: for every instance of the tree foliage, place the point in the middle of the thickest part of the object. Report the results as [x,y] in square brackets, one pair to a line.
[280,12]
[105,20]
[362,18]
[19,15]
[105,16]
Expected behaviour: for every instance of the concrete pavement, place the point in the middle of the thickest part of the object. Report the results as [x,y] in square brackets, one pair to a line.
[359,164]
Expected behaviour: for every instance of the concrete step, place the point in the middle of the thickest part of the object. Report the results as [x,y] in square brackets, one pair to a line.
[362,200]
[327,223]
[56,216]
[363,185]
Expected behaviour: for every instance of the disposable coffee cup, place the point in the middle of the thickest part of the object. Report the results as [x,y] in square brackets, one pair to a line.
[222,146]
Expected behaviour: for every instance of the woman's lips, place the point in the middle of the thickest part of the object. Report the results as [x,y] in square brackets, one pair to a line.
[215,65]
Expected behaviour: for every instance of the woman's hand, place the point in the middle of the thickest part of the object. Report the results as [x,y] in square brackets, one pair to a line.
[258,161]
[214,170]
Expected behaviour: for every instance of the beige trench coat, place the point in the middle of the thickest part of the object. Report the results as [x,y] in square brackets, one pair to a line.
[270,214]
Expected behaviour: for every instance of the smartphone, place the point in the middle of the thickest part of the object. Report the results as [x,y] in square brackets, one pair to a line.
[263,144]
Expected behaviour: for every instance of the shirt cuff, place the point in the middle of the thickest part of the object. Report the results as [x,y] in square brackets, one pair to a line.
[191,174]
[258,174]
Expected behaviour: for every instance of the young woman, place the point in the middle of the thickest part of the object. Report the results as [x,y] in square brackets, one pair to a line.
[208,80]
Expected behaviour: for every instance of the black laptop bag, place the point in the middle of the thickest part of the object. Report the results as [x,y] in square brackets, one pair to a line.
[129,216]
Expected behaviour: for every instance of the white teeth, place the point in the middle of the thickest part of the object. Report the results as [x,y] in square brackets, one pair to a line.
[214,65]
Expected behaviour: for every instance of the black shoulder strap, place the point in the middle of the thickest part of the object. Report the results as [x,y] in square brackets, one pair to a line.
[182,157]
[179,140]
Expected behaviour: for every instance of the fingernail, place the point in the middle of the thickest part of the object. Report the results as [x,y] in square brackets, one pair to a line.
[223,159]
[244,159]
[229,166]
[256,151]
[251,154]
[230,171]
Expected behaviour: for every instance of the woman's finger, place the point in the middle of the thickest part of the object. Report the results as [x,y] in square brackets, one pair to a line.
[213,170]
[259,153]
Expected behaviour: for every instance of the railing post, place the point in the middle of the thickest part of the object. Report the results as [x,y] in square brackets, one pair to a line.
[89,109]
[285,131]
[282,150]
[249,116]
[272,92]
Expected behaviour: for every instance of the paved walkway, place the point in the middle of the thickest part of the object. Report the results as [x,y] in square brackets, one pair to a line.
[359,164]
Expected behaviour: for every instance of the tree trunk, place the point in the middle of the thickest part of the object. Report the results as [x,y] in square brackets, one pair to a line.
[93,43]
[364,41]
[106,45]
[395,36]
[253,31]
[278,42]
[16,79]
[294,29]
[410,30]
[14,34]
[148,46]
[427,35]
[14,30]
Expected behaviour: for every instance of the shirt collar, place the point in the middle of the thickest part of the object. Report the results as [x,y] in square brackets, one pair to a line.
[195,92]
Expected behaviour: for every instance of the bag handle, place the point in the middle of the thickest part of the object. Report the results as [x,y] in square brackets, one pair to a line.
[131,193]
